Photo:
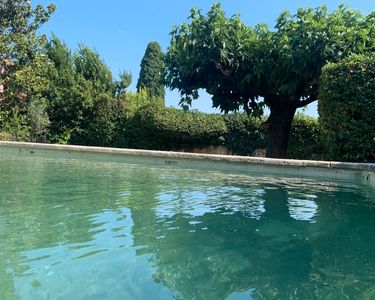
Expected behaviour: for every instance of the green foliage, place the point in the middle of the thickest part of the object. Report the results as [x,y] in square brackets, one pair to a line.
[347,109]
[5,136]
[13,125]
[69,95]
[37,119]
[245,134]
[21,50]
[240,65]
[135,101]
[82,97]
[94,70]
[172,129]
[304,142]
[158,128]
[236,64]
[210,53]
[152,70]
[98,123]
[123,83]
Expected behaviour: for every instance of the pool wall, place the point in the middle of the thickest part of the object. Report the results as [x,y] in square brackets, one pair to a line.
[253,165]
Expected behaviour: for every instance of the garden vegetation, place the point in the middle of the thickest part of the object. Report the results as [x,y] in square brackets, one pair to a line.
[50,93]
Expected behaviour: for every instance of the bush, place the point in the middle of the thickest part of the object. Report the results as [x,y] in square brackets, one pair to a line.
[158,128]
[37,119]
[98,124]
[347,109]
[244,134]
[135,101]
[304,140]
[154,127]
[5,136]
[14,125]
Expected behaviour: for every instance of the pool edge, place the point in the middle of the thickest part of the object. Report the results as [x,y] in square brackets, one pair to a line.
[364,170]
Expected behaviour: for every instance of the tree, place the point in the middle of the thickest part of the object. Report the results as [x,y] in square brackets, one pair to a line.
[124,82]
[20,49]
[152,69]
[93,69]
[23,69]
[69,95]
[247,67]
[81,103]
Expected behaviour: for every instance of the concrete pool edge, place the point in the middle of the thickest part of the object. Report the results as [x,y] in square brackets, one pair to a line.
[366,170]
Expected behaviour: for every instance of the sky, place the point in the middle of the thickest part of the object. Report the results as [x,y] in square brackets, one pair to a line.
[120,30]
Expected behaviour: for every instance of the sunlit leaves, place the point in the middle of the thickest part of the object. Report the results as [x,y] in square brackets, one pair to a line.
[210,52]
[21,48]
[237,64]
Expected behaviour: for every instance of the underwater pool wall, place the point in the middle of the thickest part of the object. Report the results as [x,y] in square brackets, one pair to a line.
[365,172]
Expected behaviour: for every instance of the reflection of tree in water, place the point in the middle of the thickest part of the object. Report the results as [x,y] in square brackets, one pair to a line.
[206,238]
[344,247]
[213,255]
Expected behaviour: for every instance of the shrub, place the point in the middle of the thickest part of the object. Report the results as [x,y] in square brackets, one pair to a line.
[154,127]
[304,140]
[132,102]
[37,119]
[244,134]
[97,126]
[347,109]
[5,136]
[14,125]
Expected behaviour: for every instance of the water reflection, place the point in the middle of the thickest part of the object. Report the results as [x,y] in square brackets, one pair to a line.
[212,255]
[291,248]
[94,231]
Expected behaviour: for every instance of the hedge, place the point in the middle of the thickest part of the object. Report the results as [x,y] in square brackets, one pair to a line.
[158,128]
[304,140]
[151,126]
[347,109]
[244,134]
[154,127]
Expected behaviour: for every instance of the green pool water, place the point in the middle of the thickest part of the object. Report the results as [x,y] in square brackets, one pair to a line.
[81,229]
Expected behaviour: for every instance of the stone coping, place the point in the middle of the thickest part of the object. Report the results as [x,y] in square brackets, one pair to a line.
[244,160]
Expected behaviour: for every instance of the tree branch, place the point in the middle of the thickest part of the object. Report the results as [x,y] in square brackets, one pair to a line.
[219,67]
[306,101]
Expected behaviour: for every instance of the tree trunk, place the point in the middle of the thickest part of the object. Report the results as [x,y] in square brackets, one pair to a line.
[279,124]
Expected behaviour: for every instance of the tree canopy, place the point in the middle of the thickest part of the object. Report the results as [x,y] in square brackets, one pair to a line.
[252,67]
[81,94]
[152,69]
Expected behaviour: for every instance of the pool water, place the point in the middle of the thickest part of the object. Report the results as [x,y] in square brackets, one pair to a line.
[76,229]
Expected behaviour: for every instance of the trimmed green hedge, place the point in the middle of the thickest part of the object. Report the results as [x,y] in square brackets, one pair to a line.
[347,109]
[154,127]
[244,134]
[304,140]
[158,128]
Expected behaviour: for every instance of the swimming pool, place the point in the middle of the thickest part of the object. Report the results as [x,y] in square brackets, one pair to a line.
[97,228]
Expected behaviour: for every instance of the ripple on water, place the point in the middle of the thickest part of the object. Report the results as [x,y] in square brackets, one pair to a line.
[72,229]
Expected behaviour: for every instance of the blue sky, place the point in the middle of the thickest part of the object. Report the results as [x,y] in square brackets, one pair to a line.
[120,30]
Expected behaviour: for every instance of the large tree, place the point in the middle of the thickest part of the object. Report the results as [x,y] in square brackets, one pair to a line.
[152,69]
[247,67]
[81,105]
[69,96]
